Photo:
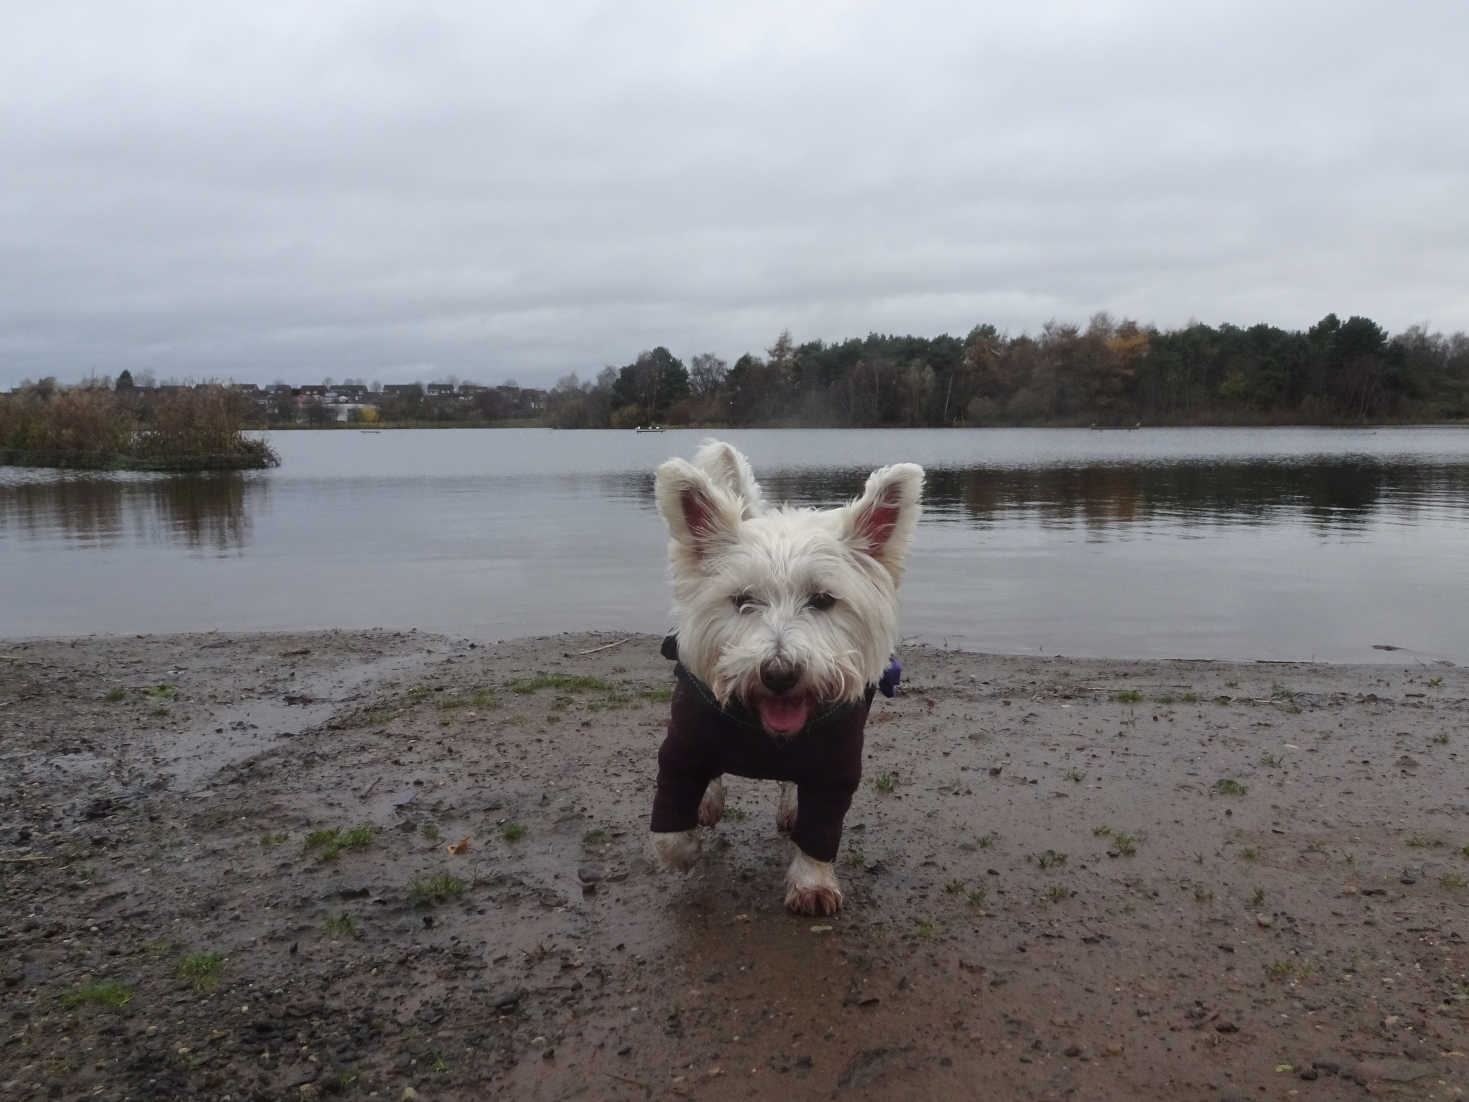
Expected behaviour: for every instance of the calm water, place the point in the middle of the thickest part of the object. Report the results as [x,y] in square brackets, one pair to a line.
[1283,543]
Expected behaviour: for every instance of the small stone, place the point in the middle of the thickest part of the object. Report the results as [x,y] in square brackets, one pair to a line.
[408,1095]
[1264,921]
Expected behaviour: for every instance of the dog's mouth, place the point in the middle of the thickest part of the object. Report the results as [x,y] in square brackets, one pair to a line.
[783,715]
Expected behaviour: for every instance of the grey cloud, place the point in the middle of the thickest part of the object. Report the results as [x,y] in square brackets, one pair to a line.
[335,189]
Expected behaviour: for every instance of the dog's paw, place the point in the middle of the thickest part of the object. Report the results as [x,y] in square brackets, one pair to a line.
[785,810]
[812,887]
[711,807]
[677,849]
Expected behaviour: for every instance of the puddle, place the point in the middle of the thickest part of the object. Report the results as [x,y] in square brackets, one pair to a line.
[236,733]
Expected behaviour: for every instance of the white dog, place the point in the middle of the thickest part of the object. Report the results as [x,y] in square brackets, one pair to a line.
[785,619]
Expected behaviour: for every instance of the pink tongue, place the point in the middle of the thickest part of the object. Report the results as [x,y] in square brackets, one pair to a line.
[785,714]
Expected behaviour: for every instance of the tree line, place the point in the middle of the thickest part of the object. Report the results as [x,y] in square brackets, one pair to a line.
[1108,373]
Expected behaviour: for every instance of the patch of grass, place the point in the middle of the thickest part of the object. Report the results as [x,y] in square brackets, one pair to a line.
[926,927]
[1452,881]
[987,840]
[159,712]
[1288,970]
[1231,684]
[1422,841]
[1127,696]
[565,683]
[200,969]
[341,925]
[432,890]
[1442,738]
[1203,894]
[1050,859]
[161,692]
[1189,698]
[596,837]
[1101,831]
[115,695]
[109,993]
[512,832]
[1271,761]
[1229,787]
[1166,698]
[953,887]
[885,782]
[431,831]
[661,695]
[1249,853]
[1057,893]
[1258,898]
[1435,682]
[975,897]
[735,814]
[1126,844]
[437,1064]
[273,838]
[341,1081]
[328,843]
[483,700]
[1075,776]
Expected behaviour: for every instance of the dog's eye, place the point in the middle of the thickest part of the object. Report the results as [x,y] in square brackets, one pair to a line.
[742,601]
[821,602]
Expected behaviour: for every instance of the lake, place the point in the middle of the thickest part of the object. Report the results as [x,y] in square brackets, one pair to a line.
[1203,543]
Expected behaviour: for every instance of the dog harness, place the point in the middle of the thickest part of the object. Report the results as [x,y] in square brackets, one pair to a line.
[704,740]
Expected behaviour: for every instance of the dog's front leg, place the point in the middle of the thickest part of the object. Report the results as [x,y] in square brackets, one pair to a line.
[812,887]
[785,809]
[677,849]
[711,806]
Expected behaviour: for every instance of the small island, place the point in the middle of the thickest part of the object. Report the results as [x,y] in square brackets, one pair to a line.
[95,427]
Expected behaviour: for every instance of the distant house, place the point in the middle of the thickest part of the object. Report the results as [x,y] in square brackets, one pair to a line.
[347,393]
[307,393]
[469,390]
[402,390]
[439,390]
[246,388]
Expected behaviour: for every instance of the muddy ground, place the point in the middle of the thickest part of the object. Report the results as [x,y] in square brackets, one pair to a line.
[1086,879]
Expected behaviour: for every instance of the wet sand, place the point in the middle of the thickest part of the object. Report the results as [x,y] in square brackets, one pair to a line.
[1084,879]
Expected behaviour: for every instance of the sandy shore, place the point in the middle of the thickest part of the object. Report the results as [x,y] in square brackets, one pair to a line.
[1087,879]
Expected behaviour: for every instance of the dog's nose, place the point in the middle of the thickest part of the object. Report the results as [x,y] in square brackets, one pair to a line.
[779,676]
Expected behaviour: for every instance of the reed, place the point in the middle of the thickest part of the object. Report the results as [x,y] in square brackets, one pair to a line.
[91,427]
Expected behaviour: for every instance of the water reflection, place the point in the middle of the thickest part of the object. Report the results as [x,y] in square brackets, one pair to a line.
[203,512]
[1331,495]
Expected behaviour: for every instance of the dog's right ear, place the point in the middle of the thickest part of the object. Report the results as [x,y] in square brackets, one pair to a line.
[700,516]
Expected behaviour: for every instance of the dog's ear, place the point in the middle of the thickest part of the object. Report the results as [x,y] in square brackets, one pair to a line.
[730,470]
[880,523]
[700,516]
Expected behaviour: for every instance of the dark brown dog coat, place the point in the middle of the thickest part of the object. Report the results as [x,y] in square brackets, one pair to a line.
[704,740]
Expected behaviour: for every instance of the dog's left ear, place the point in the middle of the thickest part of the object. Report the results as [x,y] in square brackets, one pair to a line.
[880,523]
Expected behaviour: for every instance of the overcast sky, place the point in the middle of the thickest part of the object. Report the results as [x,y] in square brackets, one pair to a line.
[409,191]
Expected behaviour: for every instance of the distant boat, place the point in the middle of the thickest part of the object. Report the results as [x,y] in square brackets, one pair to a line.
[1125,428]
[649,428]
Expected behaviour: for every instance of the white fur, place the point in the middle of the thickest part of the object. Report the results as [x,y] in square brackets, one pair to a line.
[785,810]
[812,887]
[781,557]
[711,807]
[677,849]
[725,543]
